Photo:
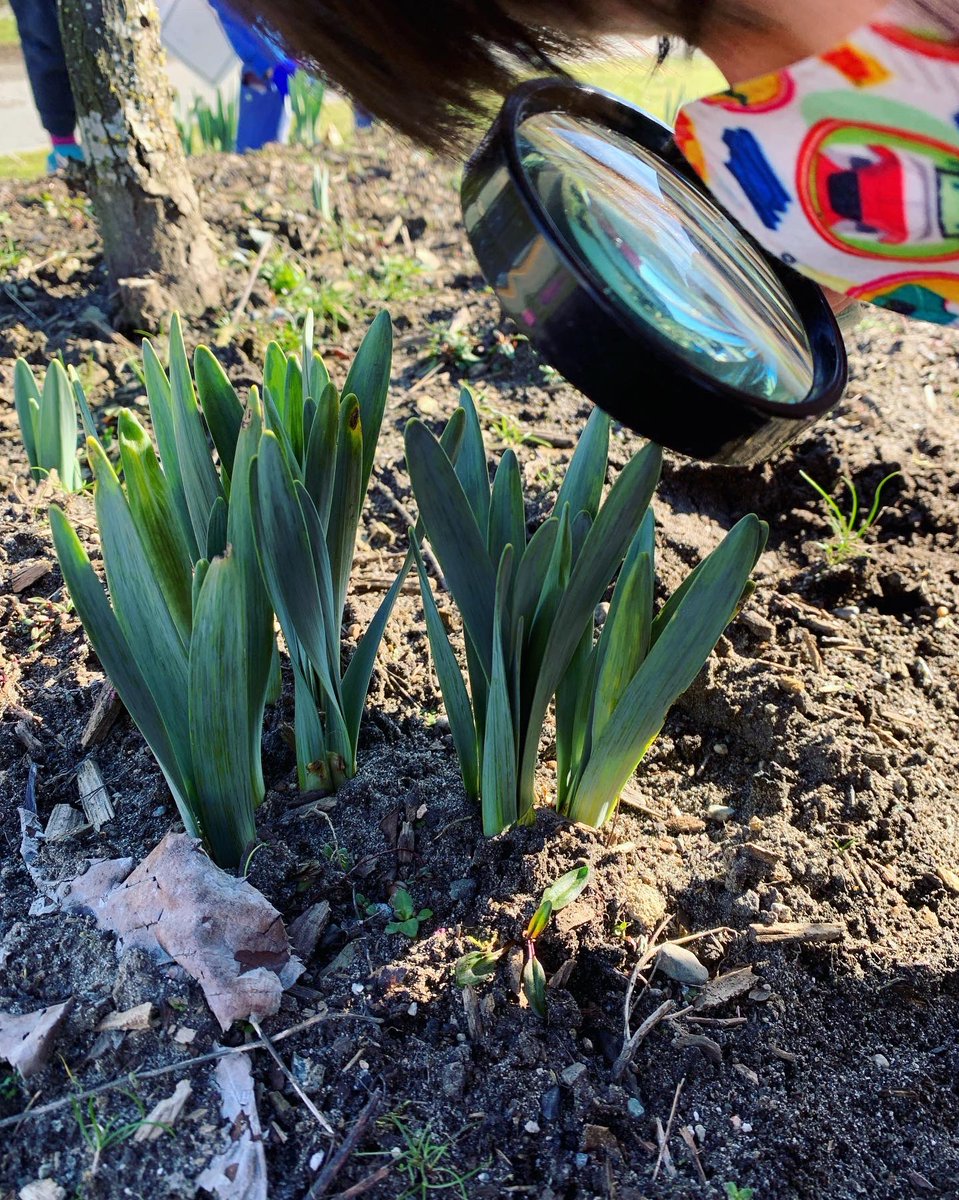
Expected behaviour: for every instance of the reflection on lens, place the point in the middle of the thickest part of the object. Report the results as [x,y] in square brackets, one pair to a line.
[667,253]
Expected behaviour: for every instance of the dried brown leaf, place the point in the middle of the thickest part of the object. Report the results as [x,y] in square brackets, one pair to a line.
[26,1039]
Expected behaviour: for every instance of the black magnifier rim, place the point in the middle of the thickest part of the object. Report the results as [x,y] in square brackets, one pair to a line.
[827,351]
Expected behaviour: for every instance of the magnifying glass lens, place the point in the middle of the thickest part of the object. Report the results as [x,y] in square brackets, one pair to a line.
[670,256]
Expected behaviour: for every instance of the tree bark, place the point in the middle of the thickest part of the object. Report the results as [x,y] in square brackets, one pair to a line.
[156,245]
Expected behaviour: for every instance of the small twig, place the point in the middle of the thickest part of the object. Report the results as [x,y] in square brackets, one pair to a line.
[722,1022]
[663,1156]
[364,1185]
[291,1079]
[12,295]
[640,807]
[226,333]
[425,378]
[687,1135]
[632,1045]
[641,963]
[185,1065]
[669,1127]
[335,1164]
[395,504]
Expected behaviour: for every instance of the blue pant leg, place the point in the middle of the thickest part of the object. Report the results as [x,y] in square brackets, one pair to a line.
[262,116]
[39,30]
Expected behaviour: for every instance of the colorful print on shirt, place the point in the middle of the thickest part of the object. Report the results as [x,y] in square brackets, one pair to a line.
[846,165]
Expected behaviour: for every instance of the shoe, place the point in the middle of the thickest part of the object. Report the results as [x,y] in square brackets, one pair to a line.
[59,156]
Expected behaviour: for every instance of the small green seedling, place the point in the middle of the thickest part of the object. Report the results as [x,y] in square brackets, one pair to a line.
[735,1192]
[477,966]
[847,539]
[321,193]
[452,348]
[101,1136]
[408,920]
[423,1162]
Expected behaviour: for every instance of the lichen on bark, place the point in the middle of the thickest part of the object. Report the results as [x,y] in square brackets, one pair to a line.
[141,188]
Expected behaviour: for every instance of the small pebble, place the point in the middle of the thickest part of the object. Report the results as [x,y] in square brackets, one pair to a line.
[413,1009]
[549,1103]
[680,964]
[846,614]
[720,813]
[357,989]
[581,1160]
[881,1061]
[462,889]
[573,1072]
[634,1108]
[531,1127]
[317,1160]
[721,749]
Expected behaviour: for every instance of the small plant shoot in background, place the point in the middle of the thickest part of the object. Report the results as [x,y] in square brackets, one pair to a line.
[47,415]
[848,538]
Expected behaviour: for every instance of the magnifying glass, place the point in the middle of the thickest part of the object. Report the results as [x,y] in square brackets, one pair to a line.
[606,250]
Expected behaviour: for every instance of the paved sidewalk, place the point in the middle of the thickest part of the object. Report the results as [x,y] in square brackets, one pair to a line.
[20,128]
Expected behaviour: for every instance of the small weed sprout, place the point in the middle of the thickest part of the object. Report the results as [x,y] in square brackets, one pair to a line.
[735,1192]
[408,920]
[321,193]
[478,965]
[102,1135]
[847,539]
[422,1161]
[452,348]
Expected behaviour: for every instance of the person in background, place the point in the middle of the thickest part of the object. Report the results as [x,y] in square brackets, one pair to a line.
[264,82]
[39,31]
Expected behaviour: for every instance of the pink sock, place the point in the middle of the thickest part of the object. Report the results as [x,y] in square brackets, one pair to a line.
[69,140]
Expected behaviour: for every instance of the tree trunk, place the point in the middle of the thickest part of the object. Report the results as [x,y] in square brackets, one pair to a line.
[156,244]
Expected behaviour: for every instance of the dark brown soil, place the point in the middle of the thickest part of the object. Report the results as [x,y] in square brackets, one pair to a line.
[827,721]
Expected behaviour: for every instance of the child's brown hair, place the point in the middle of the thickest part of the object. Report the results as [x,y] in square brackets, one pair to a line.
[428,67]
[425,66]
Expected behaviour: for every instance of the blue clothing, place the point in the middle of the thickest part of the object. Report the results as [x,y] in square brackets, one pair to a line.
[264,84]
[39,30]
[258,53]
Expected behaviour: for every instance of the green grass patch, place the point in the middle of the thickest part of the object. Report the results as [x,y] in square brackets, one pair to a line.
[661,91]
[27,165]
[8,30]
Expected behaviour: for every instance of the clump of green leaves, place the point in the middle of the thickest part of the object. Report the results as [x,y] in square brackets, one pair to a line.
[848,528]
[186,635]
[209,127]
[311,474]
[477,966]
[307,95]
[528,608]
[197,549]
[48,423]
[408,920]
